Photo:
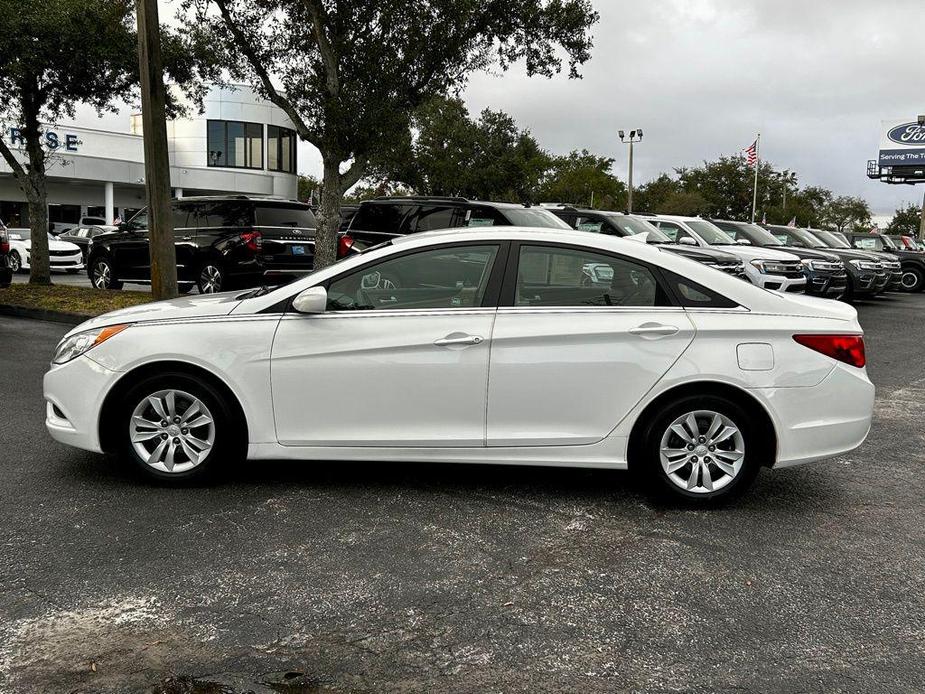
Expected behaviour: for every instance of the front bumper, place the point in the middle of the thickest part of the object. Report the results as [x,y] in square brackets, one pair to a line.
[828,283]
[74,395]
[870,281]
[779,283]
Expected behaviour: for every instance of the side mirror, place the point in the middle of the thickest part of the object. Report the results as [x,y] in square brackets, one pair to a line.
[743,242]
[687,241]
[312,300]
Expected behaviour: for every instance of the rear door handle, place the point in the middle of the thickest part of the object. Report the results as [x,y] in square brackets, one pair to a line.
[654,330]
[461,340]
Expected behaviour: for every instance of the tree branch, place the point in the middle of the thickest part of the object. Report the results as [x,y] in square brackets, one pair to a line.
[351,176]
[328,58]
[262,74]
[21,175]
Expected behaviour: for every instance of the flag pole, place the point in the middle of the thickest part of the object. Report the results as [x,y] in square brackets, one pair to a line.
[757,164]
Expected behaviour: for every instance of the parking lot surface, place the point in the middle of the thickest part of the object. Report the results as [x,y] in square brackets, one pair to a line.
[300,577]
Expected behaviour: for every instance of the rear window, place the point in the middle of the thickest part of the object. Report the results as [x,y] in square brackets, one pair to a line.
[385,218]
[225,213]
[296,216]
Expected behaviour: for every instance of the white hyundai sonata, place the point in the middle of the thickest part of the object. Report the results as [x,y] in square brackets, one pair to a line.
[500,345]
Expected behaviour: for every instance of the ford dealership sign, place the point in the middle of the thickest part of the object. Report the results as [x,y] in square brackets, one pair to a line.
[902,144]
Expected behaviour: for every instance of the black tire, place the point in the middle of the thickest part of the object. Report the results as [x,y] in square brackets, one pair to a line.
[654,473]
[16,262]
[185,287]
[229,434]
[913,279]
[210,278]
[102,274]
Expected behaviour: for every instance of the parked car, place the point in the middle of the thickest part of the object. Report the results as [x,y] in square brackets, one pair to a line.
[62,255]
[222,242]
[903,241]
[6,272]
[825,273]
[490,332]
[387,218]
[766,268]
[82,236]
[619,224]
[913,262]
[863,277]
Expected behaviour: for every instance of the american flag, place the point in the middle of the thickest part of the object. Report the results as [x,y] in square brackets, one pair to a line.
[751,154]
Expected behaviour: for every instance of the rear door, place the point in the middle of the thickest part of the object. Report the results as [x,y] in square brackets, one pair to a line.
[130,252]
[184,239]
[579,339]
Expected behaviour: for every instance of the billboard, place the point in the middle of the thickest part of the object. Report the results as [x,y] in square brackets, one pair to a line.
[902,143]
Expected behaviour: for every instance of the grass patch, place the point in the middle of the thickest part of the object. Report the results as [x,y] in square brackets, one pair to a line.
[83,301]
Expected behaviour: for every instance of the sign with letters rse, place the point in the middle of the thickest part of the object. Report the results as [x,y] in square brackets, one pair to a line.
[67,142]
[902,143]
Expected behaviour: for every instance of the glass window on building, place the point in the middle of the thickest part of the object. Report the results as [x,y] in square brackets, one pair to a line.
[235,145]
[281,149]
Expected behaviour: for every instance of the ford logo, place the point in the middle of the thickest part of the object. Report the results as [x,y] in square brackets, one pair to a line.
[908,134]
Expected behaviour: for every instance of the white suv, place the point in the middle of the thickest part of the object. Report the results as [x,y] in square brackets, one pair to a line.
[765,267]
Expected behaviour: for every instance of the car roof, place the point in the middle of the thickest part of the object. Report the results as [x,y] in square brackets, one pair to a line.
[404,199]
[231,198]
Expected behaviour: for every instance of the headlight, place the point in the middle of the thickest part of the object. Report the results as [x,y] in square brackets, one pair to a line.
[80,343]
[822,265]
[866,264]
[771,267]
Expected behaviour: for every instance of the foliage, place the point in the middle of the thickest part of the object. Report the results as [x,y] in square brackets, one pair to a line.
[906,221]
[584,179]
[349,74]
[847,213]
[308,187]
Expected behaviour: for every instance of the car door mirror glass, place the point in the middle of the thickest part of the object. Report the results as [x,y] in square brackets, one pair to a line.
[687,241]
[743,242]
[312,300]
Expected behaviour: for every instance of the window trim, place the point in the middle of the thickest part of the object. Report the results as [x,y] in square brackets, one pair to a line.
[245,123]
[489,298]
[509,287]
[279,148]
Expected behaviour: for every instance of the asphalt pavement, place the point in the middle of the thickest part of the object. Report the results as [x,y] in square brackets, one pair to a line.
[332,577]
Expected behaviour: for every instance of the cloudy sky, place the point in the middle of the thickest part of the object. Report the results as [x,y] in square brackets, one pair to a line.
[702,77]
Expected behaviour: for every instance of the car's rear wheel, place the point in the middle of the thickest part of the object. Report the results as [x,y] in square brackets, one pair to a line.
[15,261]
[175,427]
[913,279]
[102,275]
[703,448]
[211,278]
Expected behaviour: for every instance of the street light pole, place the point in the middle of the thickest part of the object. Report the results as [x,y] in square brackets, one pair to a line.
[635,136]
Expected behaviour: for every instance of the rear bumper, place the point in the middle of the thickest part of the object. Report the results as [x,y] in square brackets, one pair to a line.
[822,421]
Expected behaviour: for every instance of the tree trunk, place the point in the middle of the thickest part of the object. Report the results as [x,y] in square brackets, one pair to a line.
[157,165]
[37,196]
[328,214]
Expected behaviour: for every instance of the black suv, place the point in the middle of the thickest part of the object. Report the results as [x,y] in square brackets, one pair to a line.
[221,243]
[913,262]
[6,272]
[385,218]
[825,273]
[619,224]
[859,269]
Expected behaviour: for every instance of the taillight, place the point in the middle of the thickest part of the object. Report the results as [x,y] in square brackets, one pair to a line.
[4,244]
[344,245]
[846,348]
[253,240]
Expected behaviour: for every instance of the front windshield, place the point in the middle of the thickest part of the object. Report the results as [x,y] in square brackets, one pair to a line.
[841,237]
[711,233]
[830,239]
[632,226]
[804,237]
[532,217]
[887,242]
[758,236]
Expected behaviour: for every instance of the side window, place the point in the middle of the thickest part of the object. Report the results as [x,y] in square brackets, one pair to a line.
[454,277]
[183,216]
[693,295]
[589,224]
[386,218]
[225,213]
[670,229]
[568,217]
[549,276]
[484,217]
[431,217]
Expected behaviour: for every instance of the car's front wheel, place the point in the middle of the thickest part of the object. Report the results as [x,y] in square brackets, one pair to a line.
[211,278]
[913,279]
[102,274]
[15,261]
[176,427]
[703,449]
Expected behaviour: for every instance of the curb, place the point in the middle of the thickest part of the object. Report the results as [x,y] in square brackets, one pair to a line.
[42,314]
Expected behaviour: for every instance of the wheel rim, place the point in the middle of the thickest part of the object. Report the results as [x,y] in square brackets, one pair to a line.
[14,261]
[172,431]
[702,451]
[102,275]
[210,279]
[909,280]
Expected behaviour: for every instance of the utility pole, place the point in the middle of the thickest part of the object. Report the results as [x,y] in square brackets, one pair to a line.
[635,136]
[157,163]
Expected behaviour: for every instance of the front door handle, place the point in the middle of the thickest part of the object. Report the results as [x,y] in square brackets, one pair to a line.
[654,330]
[187,238]
[450,340]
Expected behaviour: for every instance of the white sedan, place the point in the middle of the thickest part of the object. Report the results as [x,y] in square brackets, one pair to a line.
[476,346]
[62,255]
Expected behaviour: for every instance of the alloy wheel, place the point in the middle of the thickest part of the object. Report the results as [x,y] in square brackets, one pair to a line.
[172,431]
[702,451]
[910,280]
[102,274]
[210,280]
[15,262]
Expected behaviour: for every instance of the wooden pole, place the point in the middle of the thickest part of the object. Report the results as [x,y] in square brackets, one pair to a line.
[157,163]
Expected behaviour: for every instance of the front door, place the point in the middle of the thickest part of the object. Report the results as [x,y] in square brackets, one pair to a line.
[588,334]
[400,358]
[131,253]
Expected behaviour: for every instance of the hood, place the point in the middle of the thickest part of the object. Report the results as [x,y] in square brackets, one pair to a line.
[200,306]
[756,252]
[808,253]
[56,245]
[854,254]
[699,253]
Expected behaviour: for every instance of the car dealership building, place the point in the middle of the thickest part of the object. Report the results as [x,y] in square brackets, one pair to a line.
[240,144]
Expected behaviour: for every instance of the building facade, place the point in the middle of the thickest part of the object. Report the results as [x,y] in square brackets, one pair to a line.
[240,144]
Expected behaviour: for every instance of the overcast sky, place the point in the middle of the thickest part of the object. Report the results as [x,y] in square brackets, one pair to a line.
[702,77]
